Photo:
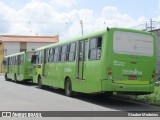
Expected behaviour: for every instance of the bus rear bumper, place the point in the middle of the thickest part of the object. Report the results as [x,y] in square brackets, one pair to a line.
[108,85]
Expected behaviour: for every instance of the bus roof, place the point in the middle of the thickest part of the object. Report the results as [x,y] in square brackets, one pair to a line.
[14,54]
[20,53]
[91,35]
[72,40]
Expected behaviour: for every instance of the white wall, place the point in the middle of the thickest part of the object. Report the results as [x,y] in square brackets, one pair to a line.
[11,47]
[14,47]
[31,46]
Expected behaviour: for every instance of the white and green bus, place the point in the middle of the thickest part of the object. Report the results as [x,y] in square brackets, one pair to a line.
[18,66]
[112,60]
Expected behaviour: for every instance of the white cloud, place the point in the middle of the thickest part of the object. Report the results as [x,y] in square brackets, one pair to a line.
[39,17]
[64,3]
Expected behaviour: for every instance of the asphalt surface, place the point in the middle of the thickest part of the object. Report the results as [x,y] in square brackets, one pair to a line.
[28,97]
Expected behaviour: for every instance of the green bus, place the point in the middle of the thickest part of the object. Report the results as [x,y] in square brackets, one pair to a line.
[112,60]
[18,67]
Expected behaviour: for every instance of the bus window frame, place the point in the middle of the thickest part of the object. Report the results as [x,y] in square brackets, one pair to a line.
[97,48]
[64,53]
[74,53]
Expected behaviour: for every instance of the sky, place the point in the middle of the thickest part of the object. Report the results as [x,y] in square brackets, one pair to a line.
[62,17]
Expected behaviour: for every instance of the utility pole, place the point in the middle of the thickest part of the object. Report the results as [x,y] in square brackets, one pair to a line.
[81,22]
[150,25]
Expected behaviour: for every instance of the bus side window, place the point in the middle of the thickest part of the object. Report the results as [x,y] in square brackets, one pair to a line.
[9,59]
[16,60]
[40,60]
[52,55]
[99,47]
[60,53]
[49,55]
[56,54]
[21,59]
[64,53]
[46,55]
[71,56]
[95,48]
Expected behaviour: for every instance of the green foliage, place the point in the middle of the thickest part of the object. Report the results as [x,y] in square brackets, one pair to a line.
[153,98]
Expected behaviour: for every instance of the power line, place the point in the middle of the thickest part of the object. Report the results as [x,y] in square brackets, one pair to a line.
[148,26]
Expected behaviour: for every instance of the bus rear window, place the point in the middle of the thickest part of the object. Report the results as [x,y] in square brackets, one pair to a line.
[133,43]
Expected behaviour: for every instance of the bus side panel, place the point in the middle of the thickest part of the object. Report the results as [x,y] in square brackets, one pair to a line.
[28,68]
[35,77]
[11,72]
[52,73]
[62,74]
[51,78]
[107,61]
[94,70]
[93,76]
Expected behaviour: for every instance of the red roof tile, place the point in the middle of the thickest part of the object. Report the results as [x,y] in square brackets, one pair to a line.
[12,38]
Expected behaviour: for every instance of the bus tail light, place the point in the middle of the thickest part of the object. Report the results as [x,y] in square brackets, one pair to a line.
[109,71]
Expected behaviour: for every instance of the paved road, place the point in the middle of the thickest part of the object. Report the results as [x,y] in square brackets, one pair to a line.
[27,97]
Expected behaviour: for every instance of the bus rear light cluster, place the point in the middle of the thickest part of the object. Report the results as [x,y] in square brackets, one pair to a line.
[109,71]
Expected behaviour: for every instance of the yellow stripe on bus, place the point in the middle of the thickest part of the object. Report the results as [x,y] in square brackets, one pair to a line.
[131,82]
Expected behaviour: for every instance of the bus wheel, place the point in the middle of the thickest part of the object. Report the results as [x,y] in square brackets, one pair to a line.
[39,82]
[15,78]
[6,78]
[68,88]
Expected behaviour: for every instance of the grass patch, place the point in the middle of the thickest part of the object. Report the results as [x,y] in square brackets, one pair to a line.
[153,98]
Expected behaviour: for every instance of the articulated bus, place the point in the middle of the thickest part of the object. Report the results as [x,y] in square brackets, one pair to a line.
[18,66]
[112,60]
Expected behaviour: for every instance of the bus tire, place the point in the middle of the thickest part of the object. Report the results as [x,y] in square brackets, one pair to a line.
[39,82]
[68,87]
[6,78]
[15,78]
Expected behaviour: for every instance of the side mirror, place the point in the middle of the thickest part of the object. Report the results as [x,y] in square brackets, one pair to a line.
[33,60]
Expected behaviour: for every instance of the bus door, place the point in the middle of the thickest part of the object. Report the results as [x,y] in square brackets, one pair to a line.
[40,62]
[18,64]
[81,57]
[45,64]
[21,64]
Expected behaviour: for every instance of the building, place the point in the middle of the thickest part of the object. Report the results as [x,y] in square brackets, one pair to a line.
[10,44]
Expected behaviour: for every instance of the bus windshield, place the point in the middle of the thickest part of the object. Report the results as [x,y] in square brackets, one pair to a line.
[133,43]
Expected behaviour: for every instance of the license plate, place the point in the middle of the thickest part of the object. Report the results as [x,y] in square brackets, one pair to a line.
[132,77]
